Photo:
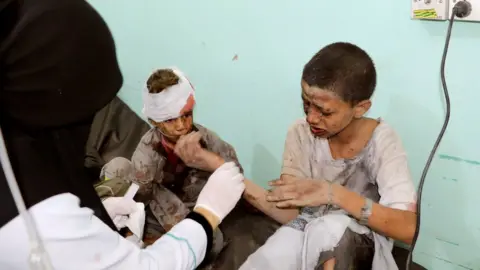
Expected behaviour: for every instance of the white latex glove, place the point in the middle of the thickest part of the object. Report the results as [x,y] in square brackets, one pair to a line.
[222,191]
[136,220]
[118,207]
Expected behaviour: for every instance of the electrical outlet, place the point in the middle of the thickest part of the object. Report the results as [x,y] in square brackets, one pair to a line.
[474,15]
[430,9]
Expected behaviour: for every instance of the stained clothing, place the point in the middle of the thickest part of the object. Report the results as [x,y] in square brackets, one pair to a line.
[173,191]
[116,132]
[115,178]
[167,185]
[379,172]
[357,252]
[84,242]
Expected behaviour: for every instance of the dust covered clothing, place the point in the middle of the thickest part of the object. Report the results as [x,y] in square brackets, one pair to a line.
[167,185]
[114,179]
[379,172]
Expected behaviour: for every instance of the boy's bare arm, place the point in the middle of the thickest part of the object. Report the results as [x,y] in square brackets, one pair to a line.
[256,195]
[394,223]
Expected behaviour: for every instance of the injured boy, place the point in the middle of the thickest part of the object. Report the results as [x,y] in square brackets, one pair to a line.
[346,173]
[169,183]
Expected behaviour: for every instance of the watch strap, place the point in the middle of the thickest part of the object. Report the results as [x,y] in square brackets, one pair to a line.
[366,212]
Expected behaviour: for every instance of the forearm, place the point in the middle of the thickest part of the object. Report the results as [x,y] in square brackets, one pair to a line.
[214,162]
[256,195]
[394,223]
[217,159]
[226,152]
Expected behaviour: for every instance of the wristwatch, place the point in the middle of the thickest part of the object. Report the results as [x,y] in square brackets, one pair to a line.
[366,212]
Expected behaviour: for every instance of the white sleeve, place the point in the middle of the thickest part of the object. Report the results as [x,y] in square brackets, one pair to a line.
[183,247]
[75,239]
[394,180]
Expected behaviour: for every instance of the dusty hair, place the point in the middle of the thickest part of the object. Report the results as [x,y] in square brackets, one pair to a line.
[344,69]
[160,80]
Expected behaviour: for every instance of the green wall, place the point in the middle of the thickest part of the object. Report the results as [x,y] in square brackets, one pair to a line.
[245,59]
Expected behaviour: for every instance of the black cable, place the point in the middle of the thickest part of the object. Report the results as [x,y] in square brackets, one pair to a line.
[461,9]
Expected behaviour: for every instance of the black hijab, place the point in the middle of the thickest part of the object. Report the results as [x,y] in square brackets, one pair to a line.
[58,67]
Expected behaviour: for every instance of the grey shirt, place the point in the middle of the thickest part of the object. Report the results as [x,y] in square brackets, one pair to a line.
[379,172]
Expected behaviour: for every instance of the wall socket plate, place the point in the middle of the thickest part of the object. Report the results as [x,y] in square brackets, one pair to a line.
[430,9]
[474,15]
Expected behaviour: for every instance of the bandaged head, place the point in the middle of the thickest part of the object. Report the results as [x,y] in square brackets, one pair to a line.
[171,102]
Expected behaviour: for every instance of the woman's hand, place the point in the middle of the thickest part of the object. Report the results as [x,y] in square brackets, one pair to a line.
[188,148]
[221,193]
[292,192]
[120,208]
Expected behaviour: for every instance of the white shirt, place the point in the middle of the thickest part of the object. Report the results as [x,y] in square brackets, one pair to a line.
[76,239]
[384,159]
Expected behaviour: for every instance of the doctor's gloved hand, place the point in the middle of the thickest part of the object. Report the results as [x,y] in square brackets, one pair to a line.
[119,208]
[221,193]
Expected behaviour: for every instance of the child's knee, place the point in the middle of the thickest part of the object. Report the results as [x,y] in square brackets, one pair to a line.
[118,167]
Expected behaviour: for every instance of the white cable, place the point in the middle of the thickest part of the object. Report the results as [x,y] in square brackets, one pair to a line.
[38,258]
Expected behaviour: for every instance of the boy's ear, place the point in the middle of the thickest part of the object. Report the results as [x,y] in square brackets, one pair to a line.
[362,108]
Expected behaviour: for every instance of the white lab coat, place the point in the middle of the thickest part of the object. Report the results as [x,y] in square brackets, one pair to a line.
[76,239]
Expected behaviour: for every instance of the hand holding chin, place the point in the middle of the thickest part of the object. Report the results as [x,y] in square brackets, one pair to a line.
[188,148]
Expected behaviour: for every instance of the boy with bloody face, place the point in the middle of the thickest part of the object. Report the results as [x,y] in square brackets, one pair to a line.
[345,175]
[165,165]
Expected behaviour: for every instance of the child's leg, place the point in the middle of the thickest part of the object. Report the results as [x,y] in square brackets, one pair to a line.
[282,251]
[114,178]
[354,251]
[153,229]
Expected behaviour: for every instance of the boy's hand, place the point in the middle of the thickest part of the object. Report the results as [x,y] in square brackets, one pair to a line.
[291,192]
[188,148]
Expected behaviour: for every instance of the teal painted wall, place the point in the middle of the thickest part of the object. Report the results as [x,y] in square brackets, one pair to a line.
[252,100]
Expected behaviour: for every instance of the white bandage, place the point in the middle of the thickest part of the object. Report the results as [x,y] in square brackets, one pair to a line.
[169,103]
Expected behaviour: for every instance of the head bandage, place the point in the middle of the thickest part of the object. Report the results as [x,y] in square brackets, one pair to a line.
[169,103]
